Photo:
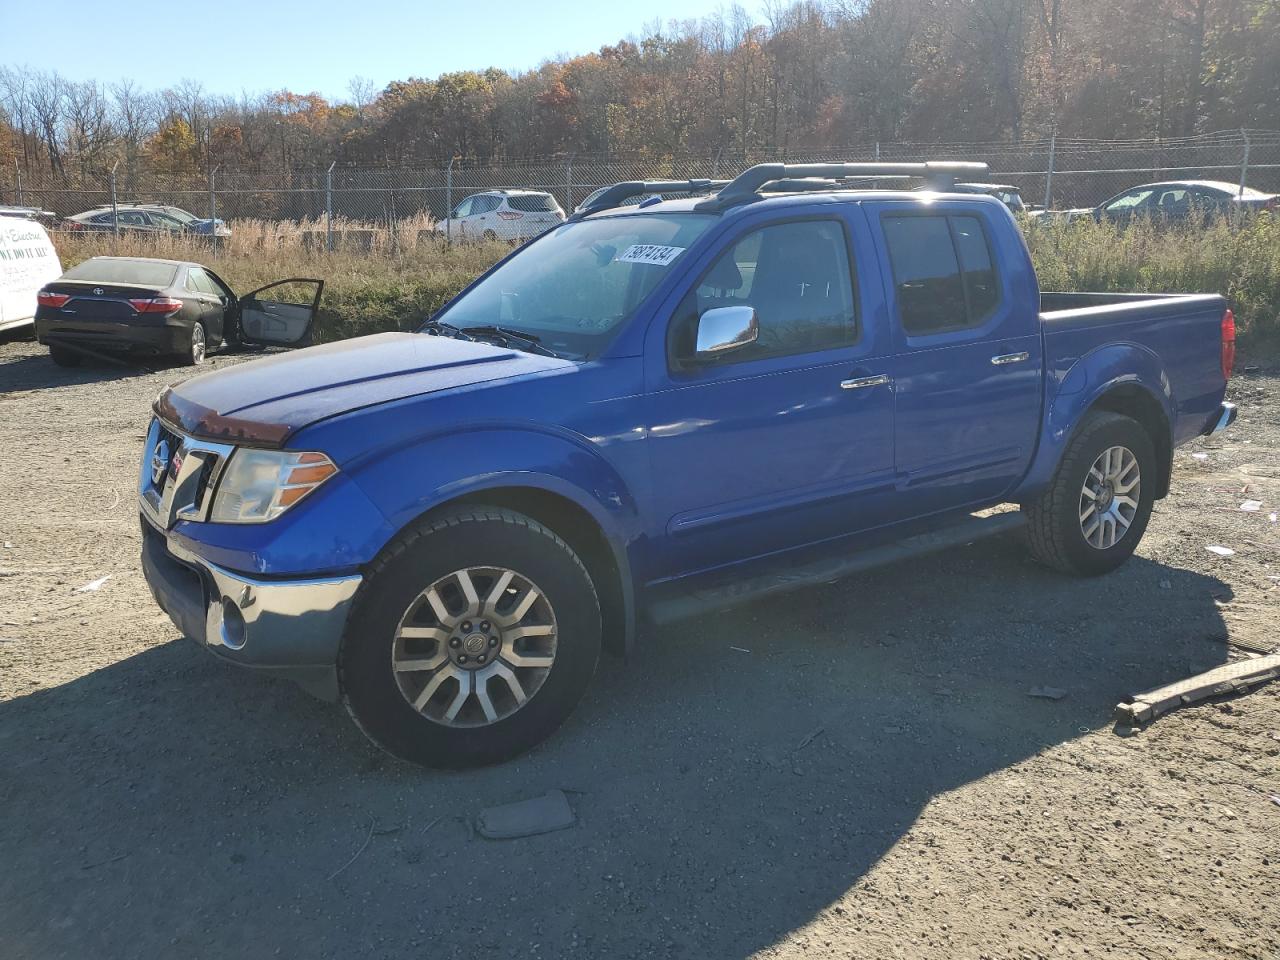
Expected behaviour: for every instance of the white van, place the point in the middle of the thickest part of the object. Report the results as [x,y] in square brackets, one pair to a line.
[27,262]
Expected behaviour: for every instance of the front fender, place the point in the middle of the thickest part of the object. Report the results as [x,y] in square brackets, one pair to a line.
[1080,385]
[406,483]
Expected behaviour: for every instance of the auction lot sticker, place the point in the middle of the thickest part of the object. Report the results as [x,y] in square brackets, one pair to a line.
[649,253]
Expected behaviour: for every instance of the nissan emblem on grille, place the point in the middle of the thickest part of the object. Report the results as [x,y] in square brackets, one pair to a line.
[159,462]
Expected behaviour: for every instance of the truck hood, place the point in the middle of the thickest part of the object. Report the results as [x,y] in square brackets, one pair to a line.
[265,401]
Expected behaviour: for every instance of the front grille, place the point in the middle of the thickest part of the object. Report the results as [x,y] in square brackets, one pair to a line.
[179,474]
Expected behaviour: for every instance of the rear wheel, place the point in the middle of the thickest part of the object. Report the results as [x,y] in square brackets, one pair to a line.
[1092,517]
[64,357]
[196,346]
[472,640]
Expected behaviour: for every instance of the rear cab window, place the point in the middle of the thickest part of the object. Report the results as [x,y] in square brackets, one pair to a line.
[944,274]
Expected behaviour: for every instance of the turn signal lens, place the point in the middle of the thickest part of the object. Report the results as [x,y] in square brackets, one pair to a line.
[157,305]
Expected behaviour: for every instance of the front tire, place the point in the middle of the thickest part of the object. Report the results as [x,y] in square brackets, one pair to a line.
[473,638]
[1093,514]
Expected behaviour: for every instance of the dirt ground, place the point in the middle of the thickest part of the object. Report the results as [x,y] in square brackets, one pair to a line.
[854,770]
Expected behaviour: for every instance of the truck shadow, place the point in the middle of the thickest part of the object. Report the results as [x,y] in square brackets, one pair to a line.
[731,784]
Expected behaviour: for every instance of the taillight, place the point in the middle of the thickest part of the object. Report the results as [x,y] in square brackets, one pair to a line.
[157,305]
[1228,343]
[510,215]
[54,300]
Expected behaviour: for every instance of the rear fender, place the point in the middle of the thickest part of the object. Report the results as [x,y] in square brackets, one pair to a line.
[1124,377]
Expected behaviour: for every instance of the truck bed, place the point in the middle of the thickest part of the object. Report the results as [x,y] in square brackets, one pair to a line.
[1168,339]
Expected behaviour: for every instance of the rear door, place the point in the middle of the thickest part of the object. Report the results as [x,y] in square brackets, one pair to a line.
[280,314]
[967,374]
[212,303]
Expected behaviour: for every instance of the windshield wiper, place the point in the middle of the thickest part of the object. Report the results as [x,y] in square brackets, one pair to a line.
[439,327]
[523,341]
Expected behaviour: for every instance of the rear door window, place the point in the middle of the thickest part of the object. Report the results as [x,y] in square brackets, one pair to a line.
[943,273]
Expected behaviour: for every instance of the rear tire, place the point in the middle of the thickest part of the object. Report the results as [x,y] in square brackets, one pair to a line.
[64,357]
[197,346]
[1083,524]
[417,637]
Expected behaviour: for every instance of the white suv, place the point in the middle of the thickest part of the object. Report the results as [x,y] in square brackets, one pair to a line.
[502,215]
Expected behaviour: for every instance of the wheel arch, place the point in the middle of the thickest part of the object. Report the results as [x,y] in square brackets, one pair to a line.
[1123,378]
[1138,403]
[589,535]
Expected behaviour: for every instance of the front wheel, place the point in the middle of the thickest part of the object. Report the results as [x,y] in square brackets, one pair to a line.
[472,640]
[1092,516]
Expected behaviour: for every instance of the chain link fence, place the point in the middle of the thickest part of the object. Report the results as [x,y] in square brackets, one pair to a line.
[321,198]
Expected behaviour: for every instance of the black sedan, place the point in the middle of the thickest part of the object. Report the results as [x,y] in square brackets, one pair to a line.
[166,308]
[1176,201]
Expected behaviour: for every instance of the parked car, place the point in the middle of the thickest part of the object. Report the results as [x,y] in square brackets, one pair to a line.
[163,307]
[27,261]
[1007,194]
[1174,201]
[146,218]
[512,215]
[595,195]
[45,217]
[650,412]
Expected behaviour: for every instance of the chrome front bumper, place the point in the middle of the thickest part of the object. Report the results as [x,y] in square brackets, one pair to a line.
[289,628]
[1226,417]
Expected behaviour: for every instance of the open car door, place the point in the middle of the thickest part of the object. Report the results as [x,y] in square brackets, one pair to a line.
[286,319]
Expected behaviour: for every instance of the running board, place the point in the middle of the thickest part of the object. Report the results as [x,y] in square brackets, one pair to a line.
[965,531]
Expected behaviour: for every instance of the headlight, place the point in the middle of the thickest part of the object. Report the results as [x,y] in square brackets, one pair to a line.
[259,485]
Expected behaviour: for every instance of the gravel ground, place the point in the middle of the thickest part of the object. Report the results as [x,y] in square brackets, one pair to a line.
[854,770]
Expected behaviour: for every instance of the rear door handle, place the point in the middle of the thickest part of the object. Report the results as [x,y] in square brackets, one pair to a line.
[859,383]
[1004,358]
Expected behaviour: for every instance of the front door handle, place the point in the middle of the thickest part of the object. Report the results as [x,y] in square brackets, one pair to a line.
[1004,358]
[858,383]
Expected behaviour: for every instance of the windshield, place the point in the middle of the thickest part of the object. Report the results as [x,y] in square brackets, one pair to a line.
[177,213]
[573,288]
[148,273]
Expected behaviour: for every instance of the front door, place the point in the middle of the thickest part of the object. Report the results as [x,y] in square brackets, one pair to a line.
[967,374]
[285,318]
[787,440]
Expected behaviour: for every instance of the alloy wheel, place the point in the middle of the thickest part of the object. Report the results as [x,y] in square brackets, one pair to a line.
[1109,498]
[474,647]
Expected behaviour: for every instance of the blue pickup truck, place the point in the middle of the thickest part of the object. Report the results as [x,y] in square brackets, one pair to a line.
[650,411]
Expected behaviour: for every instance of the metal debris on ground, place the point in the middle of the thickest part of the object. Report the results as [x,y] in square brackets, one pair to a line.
[526,818]
[1047,693]
[1228,678]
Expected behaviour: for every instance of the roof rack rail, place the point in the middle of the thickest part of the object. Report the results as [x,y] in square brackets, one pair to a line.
[615,195]
[748,184]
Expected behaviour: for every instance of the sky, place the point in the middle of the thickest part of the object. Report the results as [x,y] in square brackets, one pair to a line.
[235,46]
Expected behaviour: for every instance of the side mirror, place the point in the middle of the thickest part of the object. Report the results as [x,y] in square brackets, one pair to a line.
[723,330]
